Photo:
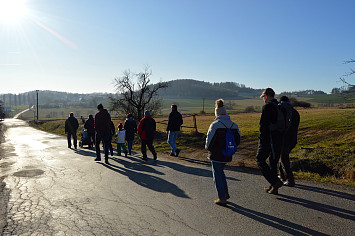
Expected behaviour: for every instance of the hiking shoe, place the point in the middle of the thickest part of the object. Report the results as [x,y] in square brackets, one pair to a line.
[274,188]
[221,202]
[227,194]
[177,152]
[289,183]
[98,159]
[267,189]
[145,159]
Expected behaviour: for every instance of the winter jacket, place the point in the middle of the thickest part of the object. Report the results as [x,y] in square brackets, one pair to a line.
[268,116]
[216,138]
[175,121]
[147,128]
[102,122]
[71,125]
[89,125]
[130,126]
[121,136]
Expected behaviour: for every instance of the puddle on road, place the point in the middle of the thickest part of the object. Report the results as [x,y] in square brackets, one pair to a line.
[29,173]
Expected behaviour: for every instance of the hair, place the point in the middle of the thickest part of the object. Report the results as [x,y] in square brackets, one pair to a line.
[120,126]
[129,115]
[100,107]
[284,99]
[219,103]
[173,106]
[71,114]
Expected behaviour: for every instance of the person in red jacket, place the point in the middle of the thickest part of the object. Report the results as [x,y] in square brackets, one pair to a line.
[103,131]
[146,131]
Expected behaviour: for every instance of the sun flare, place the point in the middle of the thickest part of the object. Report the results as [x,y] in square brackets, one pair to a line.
[12,10]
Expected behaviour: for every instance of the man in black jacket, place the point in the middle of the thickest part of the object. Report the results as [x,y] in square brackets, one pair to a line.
[290,141]
[71,126]
[173,129]
[270,142]
[89,126]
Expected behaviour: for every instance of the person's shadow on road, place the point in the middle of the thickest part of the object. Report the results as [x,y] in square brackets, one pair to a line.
[327,191]
[275,222]
[145,180]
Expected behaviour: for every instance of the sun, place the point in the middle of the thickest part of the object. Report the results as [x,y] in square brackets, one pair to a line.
[12,10]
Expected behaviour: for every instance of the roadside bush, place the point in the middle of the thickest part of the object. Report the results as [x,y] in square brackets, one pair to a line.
[249,109]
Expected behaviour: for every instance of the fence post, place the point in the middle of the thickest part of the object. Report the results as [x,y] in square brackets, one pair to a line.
[195,123]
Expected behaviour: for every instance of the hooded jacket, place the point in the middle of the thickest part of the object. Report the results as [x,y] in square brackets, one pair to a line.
[102,122]
[130,126]
[216,138]
[147,128]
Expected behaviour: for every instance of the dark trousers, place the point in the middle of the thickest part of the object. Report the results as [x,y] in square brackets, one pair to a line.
[144,144]
[91,137]
[272,151]
[69,135]
[284,167]
[106,141]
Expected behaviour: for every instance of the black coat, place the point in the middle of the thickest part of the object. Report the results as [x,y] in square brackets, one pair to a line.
[130,126]
[175,121]
[268,116]
[89,125]
[71,125]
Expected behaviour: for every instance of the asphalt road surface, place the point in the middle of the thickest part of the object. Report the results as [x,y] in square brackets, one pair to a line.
[48,189]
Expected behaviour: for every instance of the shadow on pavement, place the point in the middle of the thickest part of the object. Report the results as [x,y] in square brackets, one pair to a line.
[327,191]
[88,152]
[188,169]
[145,180]
[275,222]
[346,214]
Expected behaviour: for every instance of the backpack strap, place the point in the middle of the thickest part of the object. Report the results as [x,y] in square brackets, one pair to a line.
[225,125]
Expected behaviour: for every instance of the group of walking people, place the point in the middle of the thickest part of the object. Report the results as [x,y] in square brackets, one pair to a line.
[222,134]
[102,129]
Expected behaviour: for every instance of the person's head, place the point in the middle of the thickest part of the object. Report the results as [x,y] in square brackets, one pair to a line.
[129,115]
[91,117]
[71,114]
[284,99]
[267,95]
[147,113]
[173,107]
[100,107]
[220,108]
[120,126]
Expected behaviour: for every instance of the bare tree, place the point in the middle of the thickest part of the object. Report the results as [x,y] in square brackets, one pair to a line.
[135,94]
[349,93]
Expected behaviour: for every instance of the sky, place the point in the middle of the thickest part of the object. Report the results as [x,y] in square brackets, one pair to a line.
[81,46]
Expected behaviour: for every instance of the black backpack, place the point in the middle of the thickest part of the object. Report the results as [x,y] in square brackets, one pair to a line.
[284,116]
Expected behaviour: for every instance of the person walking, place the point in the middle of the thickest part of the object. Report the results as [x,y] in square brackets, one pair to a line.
[71,126]
[270,142]
[130,126]
[103,131]
[289,142]
[121,135]
[146,131]
[173,129]
[89,126]
[215,144]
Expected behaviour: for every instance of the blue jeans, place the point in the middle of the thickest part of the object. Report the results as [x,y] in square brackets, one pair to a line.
[129,145]
[219,179]
[172,140]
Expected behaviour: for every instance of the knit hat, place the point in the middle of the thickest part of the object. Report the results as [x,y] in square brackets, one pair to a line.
[220,111]
[147,113]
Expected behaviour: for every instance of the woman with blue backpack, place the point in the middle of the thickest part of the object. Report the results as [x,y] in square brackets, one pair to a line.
[223,137]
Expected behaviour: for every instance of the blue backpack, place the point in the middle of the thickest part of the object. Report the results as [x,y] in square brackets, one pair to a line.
[231,146]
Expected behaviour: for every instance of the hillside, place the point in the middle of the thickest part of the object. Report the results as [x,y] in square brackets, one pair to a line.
[194,89]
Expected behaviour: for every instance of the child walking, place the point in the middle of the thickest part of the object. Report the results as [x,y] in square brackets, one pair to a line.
[121,133]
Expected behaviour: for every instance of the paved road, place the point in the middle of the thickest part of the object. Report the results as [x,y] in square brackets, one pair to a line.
[53,190]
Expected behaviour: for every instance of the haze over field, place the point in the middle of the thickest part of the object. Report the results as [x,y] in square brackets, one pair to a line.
[81,46]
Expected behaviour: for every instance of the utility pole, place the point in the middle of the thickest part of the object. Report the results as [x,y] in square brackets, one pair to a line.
[203,105]
[37,104]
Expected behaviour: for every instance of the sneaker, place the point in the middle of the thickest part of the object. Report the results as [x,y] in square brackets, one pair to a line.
[98,159]
[221,202]
[274,188]
[267,189]
[289,183]
[177,152]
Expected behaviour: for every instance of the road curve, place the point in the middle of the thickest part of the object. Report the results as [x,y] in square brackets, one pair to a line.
[48,189]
